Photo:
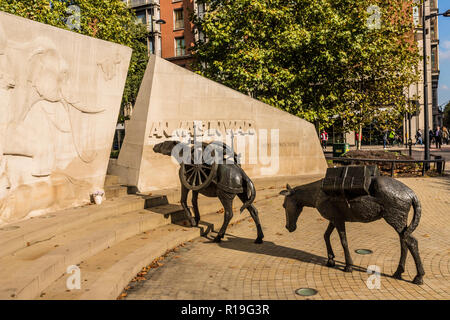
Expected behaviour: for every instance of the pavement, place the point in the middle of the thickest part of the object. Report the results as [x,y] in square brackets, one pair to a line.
[239,269]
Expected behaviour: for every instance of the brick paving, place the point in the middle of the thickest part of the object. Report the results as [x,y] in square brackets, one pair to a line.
[239,269]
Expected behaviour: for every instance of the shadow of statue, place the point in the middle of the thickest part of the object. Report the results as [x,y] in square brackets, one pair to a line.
[271,249]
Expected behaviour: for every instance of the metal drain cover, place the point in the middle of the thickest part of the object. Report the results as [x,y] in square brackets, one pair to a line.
[363,251]
[9,228]
[306,292]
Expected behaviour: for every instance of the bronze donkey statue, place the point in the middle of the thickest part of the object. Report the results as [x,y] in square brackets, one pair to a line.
[230,181]
[388,199]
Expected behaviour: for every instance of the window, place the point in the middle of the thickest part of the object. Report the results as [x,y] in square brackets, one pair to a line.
[433,4]
[201,36]
[180,48]
[141,18]
[201,10]
[433,29]
[151,46]
[434,62]
[179,19]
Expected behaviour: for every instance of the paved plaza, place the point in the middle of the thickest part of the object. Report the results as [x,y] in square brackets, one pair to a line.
[239,269]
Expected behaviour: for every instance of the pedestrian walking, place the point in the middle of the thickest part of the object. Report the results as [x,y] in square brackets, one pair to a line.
[438,137]
[357,139]
[391,137]
[324,139]
[385,139]
[445,135]
[430,137]
[419,137]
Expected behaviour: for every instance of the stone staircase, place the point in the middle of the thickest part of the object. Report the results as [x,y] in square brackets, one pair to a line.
[36,252]
[110,243]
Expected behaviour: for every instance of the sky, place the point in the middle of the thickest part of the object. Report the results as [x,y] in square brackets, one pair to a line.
[444,53]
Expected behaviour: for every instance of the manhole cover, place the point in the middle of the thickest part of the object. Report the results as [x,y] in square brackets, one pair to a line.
[363,251]
[9,228]
[306,292]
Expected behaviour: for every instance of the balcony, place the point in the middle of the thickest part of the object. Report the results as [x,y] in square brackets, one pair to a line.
[139,3]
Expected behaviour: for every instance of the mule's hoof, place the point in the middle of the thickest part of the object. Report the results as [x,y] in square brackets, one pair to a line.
[193,223]
[331,263]
[418,280]
[258,241]
[397,275]
[348,269]
[217,239]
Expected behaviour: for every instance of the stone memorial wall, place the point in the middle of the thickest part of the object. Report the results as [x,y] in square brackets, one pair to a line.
[176,104]
[60,94]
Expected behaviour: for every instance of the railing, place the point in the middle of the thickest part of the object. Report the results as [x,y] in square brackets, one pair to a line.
[440,168]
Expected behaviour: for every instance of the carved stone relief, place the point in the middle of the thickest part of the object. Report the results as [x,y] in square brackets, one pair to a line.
[51,115]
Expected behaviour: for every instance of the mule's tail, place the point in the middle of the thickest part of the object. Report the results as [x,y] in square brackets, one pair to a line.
[416,217]
[251,189]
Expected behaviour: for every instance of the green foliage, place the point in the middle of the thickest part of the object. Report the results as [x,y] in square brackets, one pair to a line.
[138,64]
[312,58]
[108,20]
[447,115]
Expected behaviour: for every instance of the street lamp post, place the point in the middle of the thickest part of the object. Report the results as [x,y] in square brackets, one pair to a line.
[425,77]
[160,22]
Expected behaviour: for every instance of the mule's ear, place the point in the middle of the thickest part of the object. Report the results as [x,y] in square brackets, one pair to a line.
[285,192]
[289,188]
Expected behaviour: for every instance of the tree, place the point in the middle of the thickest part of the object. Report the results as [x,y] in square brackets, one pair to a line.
[138,64]
[107,20]
[312,58]
[447,115]
[383,72]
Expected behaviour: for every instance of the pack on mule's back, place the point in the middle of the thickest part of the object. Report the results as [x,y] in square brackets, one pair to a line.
[349,180]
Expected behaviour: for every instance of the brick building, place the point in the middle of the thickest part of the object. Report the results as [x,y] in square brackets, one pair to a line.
[172,33]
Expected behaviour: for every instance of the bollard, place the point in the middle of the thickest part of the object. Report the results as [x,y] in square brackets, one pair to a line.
[438,164]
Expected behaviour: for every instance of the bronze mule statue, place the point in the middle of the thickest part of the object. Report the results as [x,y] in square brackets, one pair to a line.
[387,198]
[227,181]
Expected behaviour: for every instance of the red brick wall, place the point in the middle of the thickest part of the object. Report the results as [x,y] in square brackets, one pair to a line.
[168,34]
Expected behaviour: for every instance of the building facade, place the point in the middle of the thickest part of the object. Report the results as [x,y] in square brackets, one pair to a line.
[175,34]
[148,12]
[432,43]
[178,31]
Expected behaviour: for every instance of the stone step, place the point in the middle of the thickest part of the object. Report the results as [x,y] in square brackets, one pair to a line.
[154,200]
[104,275]
[30,270]
[25,233]
[46,265]
[111,180]
[44,227]
[115,191]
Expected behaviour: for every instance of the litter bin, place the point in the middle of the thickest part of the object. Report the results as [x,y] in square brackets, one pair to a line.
[340,149]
